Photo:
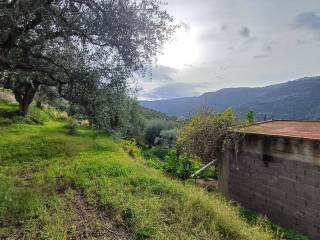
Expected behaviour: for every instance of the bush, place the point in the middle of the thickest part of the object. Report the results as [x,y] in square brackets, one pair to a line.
[250,117]
[130,146]
[155,152]
[180,166]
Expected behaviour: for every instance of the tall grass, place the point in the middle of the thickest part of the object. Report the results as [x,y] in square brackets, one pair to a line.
[44,169]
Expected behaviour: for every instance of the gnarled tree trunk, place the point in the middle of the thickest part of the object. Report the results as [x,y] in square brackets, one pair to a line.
[24,95]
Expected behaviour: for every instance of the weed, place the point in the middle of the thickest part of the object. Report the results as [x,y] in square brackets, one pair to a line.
[130,146]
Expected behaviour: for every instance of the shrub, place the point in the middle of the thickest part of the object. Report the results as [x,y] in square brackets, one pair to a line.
[155,152]
[130,146]
[207,132]
[250,117]
[180,166]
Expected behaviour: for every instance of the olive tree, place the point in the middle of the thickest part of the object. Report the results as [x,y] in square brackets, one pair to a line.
[75,45]
[153,129]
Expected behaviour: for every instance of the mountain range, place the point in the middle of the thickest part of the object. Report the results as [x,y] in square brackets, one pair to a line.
[297,99]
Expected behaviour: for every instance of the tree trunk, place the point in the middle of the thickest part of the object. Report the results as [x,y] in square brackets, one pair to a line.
[39,104]
[24,95]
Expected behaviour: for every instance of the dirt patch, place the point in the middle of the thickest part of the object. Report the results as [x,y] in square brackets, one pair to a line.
[62,184]
[90,223]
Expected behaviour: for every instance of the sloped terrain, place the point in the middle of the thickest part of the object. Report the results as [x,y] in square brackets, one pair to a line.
[85,186]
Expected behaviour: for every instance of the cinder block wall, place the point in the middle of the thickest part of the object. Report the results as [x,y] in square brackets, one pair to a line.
[278,177]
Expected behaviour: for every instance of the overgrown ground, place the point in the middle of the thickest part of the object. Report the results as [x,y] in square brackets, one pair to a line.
[57,186]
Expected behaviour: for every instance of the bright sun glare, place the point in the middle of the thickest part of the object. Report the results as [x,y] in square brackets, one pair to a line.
[182,51]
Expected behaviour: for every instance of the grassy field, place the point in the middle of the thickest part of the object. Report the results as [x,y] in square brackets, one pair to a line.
[86,186]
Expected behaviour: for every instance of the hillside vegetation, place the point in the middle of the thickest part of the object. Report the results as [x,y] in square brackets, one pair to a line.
[54,185]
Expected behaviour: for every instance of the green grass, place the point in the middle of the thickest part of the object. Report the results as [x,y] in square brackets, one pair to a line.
[85,186]
[254,218]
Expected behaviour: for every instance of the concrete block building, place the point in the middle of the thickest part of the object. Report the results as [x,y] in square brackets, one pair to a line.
[275,170]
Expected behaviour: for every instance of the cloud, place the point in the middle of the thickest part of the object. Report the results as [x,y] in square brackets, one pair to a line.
[223,27]
[302,42]
[173,90]
[242,37]
[268,48]
[161,74]
[261,56]
[309,20]
[208,37]
[245,32]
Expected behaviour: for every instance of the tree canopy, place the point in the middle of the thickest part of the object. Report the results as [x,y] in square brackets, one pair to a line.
[77,45]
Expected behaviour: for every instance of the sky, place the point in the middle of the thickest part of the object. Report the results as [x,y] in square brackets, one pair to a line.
[233,43]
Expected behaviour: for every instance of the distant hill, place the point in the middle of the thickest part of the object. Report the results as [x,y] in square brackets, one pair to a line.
[149,114]
[298,99]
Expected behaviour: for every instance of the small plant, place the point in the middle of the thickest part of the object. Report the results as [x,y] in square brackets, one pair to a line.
[130,146]
[56,114]
[128,217]
[180,166]
[73,127]
[250,117]
[158,152]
